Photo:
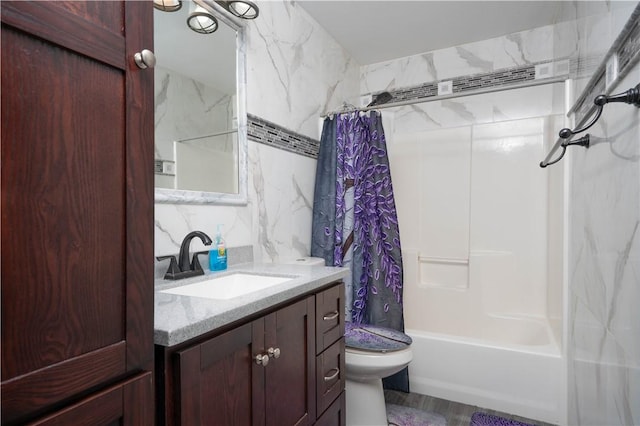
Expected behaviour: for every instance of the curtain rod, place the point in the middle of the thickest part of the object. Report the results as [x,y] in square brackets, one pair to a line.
[523,85]
[226,132]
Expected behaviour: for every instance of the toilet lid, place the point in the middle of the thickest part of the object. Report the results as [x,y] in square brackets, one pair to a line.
[374,338]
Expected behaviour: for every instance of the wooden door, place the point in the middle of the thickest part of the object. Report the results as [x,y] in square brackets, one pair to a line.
[77,201]
[290,378]
[128,403]
[218,381]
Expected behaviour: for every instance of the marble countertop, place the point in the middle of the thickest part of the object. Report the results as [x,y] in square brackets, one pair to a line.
[180,318]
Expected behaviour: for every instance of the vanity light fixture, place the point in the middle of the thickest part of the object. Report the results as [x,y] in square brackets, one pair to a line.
[167,5]
[201,21]
[244,9]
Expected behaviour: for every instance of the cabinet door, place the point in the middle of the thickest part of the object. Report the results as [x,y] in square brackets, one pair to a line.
[290,378]
[219,382]
[77,200]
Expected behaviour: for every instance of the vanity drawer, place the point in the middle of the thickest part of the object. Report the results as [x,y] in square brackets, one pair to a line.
[330,375]
[335,414]
[329,317]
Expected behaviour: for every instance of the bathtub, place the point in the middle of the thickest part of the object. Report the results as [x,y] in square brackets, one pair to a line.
[510,364]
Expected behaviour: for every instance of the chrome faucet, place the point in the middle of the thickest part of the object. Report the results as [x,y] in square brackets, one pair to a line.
[184,268]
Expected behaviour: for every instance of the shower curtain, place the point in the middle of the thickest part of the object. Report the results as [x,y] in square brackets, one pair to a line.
[355,222]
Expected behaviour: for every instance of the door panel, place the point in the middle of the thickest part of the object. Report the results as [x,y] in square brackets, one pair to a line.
[222,366]
[77,201]
[64,271]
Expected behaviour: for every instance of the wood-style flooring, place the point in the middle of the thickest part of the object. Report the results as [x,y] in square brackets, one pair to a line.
[457,414]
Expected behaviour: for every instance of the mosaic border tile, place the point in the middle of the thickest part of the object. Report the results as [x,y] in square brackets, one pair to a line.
[469,83]
[271,134]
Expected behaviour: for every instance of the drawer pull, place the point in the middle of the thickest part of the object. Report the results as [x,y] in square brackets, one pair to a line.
[333,375]
[331,316]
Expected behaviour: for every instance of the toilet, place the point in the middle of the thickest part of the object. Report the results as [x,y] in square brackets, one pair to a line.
[371,354]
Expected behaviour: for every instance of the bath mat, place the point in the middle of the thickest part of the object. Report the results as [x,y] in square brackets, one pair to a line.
[398,415]
[484,419]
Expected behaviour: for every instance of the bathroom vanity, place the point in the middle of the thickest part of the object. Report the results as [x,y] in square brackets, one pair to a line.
[272,356]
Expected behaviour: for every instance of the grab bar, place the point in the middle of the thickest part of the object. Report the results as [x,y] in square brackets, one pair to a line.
[443,260]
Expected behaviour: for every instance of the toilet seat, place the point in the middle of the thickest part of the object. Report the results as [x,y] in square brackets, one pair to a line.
[371,338]
[373,352]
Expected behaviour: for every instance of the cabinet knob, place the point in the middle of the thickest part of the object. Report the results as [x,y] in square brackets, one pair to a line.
[262,359]
[145,59]
[273,352]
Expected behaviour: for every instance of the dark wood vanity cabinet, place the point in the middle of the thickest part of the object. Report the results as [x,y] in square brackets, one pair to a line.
[225,380]
[77,213]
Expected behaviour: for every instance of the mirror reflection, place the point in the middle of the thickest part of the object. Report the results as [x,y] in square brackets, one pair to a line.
[196,103]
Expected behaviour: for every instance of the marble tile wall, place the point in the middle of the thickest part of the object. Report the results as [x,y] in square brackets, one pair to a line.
[604,247]
[587,35]
[194,110]
[295,72]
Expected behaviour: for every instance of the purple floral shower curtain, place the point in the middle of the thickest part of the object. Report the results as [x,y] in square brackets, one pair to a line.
[355,222]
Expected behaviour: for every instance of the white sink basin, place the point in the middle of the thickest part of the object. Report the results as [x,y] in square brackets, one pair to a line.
[229,286]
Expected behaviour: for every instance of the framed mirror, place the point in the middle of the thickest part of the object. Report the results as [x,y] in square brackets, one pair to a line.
[200,108]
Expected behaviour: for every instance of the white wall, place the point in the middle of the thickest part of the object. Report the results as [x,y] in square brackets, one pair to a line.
[295,71]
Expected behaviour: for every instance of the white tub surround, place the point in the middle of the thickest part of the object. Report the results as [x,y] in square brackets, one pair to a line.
[476,214]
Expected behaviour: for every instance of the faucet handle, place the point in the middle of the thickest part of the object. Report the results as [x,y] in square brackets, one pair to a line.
[173,267]
[195,263]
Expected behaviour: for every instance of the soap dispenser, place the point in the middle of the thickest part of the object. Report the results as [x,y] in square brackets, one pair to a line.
[218,255]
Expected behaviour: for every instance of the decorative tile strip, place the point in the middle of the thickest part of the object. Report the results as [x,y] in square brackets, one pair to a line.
[584,67]
[268,133]
[631,46]
[504,77]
